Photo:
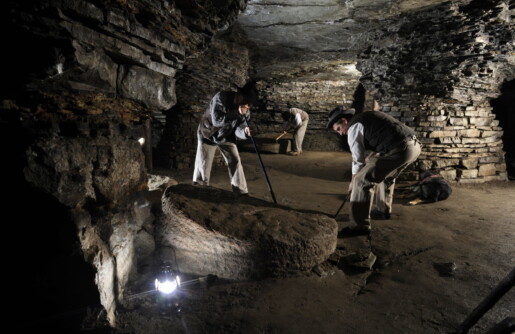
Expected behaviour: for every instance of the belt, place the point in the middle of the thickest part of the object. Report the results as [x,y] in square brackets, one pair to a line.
[412,138]
[402,145]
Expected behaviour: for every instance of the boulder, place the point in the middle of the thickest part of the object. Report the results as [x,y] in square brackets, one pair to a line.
[206,230]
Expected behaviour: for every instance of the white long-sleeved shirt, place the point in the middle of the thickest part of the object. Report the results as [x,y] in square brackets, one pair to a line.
[356,140]
[293,123]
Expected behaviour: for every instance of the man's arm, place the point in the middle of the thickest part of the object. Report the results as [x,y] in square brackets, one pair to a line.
[242,130]
[356,140]
[219,111]
[298,120]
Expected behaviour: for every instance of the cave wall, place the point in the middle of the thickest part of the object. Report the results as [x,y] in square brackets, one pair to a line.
[83,78]
[438,70]
[316,91]
[224,65]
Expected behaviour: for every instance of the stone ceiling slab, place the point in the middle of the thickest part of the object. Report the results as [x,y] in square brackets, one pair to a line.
[287,31]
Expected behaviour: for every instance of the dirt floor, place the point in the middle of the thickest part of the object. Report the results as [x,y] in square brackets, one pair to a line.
[436,262]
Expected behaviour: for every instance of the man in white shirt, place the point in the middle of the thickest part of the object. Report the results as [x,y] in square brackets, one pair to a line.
[395,147]
[296,120]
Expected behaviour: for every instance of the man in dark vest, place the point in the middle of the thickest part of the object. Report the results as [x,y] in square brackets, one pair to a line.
[395,146]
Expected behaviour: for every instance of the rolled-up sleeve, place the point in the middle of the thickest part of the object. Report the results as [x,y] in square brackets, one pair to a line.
[298,120]
[356,140]
[240,129]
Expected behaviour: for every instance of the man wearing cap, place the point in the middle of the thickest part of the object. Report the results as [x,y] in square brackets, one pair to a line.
[223,121]
[395,146]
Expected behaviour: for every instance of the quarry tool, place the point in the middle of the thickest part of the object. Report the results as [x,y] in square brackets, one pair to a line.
[508,324]
[341,206]
[261,163]
[282,134]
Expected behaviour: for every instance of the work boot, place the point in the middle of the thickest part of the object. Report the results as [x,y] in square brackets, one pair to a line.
[200,184]
[379,215]
[365,261]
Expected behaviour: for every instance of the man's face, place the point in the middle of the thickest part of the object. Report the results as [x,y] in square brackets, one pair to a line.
[244,108]
[341,126]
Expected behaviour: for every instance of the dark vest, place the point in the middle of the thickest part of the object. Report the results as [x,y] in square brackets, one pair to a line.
[382,132]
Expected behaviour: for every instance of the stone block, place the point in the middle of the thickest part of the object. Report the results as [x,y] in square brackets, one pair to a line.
[425,164]
[469,133]
[449,174]
[467,173]
[480,121]
[436,118]
[469,163]
[487,170]
[446,162]
[489,159]
[439,134]
[449,140]
[492,139]
[470,141]
[213,231]
[266,143]
[471,181]
[458,121]
[500,167]
[488,133]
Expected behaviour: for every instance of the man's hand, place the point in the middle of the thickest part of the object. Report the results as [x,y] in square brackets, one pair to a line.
[247,131]
[371,155]
[350,184]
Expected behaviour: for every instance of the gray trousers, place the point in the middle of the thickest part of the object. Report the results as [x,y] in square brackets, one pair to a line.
[298,136]
[384,197]
[204,163]
[375,172]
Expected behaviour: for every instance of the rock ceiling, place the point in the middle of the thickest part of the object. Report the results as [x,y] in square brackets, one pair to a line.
[288,34]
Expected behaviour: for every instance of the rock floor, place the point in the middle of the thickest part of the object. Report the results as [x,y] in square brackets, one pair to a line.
[435,263]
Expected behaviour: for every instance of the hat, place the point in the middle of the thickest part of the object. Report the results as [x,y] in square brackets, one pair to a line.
[338,113]
[248,94]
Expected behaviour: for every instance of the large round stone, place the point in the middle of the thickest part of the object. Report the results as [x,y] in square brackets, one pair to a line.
[212,231]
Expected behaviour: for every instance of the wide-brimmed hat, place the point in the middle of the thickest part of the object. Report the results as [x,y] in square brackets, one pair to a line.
[338,113]
[248,94]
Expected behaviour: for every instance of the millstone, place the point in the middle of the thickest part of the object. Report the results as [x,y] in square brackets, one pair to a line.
[212,231]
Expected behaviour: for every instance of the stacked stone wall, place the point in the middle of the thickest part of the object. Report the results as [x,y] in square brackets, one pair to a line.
[437,71]
[316,97]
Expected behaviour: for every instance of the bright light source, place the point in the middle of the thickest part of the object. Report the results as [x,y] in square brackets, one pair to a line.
[168,281]
[141,141]
[167,287]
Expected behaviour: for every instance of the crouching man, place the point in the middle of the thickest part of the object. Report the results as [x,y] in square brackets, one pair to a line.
[395,146]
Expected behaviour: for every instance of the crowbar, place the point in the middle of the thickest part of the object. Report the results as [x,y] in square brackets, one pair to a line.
[341,206]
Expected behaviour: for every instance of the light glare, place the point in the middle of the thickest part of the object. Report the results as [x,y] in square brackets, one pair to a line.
[168,286]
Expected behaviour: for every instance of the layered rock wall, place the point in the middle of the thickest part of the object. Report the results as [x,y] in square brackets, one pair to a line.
[82,79]
[224,65]
[437,71]
[312,92]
